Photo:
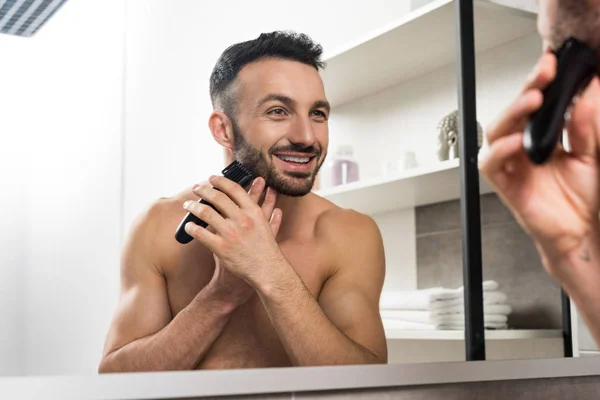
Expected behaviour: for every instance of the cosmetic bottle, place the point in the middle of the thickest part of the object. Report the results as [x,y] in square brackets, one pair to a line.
[343,167]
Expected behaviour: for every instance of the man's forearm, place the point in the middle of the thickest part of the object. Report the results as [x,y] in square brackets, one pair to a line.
[308,336]
[579,275]
[181,344]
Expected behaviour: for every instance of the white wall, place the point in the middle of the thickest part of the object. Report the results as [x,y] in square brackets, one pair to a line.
[171,50]
[61,103]
[400,245]
[13,239]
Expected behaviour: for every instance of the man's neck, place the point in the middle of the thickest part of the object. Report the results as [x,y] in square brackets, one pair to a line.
[294,212]
[289,204]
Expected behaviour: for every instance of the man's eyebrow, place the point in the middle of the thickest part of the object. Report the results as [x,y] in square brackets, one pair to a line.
[276,97]
[322,104]
[291,102]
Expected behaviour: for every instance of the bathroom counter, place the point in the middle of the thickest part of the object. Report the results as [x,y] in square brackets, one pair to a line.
[163,385]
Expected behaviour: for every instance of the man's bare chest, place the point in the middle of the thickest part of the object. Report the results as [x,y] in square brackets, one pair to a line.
[249,339]
[196,268]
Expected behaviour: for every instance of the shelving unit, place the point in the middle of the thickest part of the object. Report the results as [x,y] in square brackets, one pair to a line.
[440,34]
[516,334]
[411,188]
[418,42]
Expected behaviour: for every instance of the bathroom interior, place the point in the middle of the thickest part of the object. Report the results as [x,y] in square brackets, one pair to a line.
[105,110]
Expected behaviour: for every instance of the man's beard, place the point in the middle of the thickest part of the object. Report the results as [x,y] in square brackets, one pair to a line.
[294,184]
[579,19]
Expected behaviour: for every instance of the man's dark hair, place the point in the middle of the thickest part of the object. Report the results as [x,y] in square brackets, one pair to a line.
[279,44]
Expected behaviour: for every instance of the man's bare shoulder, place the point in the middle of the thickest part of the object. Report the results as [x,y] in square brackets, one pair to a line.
[153,229]
[347,230]
[334,220]
[353,243]
[166,209]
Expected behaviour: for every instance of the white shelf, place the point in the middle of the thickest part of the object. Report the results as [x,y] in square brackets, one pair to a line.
[423,185]
[419,42]
[516,334]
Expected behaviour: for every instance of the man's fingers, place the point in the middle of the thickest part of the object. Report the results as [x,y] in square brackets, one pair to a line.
[206,213]
[234,191]
[515,116]
[257,189]
[501,160]
[275,221]
[582,127]
[217,198]
[204,236]
[542,74]
[268,204]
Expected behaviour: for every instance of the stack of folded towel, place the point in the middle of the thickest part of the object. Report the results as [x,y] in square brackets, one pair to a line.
[441,308]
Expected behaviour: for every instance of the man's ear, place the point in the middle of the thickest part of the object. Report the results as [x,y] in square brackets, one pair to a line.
[221,129]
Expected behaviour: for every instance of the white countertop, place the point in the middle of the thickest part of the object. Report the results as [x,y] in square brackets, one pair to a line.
[163,385]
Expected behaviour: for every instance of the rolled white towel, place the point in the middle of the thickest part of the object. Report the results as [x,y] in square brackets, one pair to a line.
[494,297]
[487,286]
[423,299]
[437,297]
[419,316]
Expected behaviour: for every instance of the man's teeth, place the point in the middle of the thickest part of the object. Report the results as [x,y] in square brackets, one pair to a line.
[300,160]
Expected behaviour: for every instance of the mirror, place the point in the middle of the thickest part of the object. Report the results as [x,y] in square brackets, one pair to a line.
[106,110]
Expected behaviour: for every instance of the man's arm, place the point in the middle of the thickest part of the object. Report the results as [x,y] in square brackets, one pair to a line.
[344,325]
[578,272]
[557,203]
[143,335]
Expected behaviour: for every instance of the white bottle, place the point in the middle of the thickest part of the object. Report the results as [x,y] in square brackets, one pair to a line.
[343,168]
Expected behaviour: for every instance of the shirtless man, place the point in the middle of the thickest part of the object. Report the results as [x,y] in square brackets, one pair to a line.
[283,277]
[557,203]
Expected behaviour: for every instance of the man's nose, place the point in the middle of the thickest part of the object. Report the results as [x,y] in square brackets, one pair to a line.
[302,132]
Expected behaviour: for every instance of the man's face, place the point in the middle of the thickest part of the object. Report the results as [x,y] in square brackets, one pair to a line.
[559,19]
[281,125]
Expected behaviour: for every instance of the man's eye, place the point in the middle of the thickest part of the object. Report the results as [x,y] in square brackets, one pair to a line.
[320,113]
[277,111]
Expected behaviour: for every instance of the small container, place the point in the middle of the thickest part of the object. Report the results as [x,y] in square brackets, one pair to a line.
[343,168]
[405,161]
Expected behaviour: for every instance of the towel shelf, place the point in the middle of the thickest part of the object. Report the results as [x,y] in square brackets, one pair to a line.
[508,334]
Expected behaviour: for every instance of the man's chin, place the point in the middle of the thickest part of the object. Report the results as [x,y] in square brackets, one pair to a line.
[293,192]
[294,186]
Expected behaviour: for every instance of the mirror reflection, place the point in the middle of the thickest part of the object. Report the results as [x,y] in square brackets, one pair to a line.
[336,239]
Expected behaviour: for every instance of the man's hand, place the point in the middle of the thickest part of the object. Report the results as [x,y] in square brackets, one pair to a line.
[243,236]
[235,290]
[557,202]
